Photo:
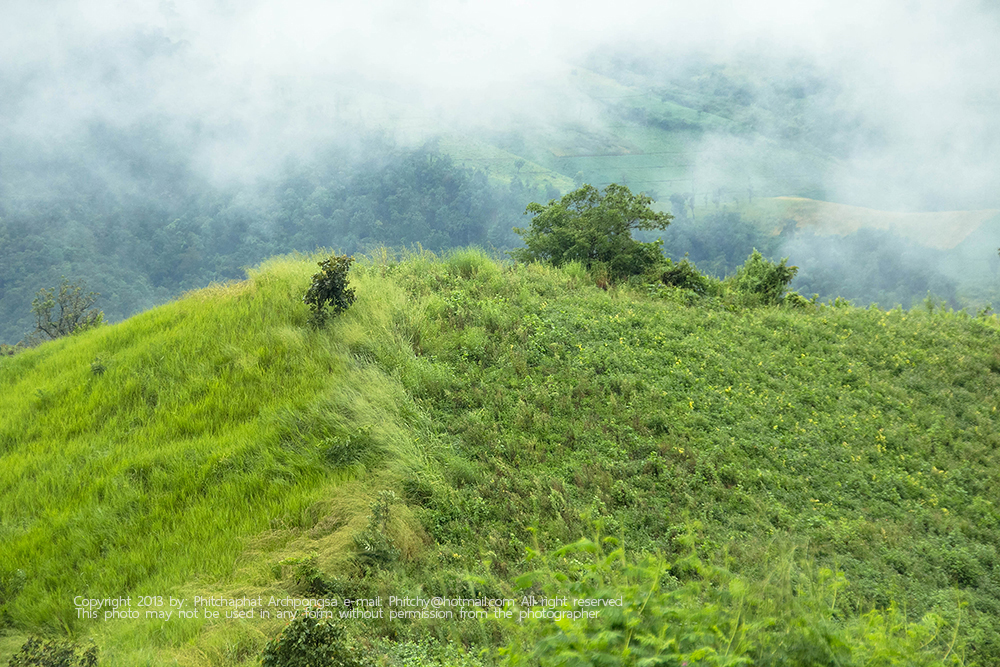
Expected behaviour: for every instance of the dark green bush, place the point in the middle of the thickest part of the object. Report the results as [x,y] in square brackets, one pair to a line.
[98,367]
[796,300]
[53,653]
[310,642]
[306,575]
[66,311]
[345,451]
[762,282]
[684,274]
[329,288]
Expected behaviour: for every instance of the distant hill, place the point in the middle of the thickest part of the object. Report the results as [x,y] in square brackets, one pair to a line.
[934,229]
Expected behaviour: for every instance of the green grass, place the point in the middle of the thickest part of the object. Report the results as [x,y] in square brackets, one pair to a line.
[217,417]
[868,436]
[226,436]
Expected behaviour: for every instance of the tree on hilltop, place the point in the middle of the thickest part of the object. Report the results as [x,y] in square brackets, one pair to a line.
[67,311]
[594,229]
[329,288]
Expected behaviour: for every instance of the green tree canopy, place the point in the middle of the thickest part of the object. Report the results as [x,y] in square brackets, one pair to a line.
[594,228]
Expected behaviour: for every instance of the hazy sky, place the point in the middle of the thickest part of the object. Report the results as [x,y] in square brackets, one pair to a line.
[243,82]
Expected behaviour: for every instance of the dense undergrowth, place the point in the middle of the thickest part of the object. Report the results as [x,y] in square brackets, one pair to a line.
[229,447]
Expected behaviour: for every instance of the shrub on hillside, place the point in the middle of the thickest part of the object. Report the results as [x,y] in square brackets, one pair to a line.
[66,311]
[9,350]
[310,642]
[760,281]
[795,300]
[53,653]
[683,274]
[375,544]
[329,288]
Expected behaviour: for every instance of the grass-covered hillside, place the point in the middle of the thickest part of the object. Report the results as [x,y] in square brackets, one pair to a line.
[221,446]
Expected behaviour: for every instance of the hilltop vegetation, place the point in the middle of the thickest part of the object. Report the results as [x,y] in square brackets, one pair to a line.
[220,445]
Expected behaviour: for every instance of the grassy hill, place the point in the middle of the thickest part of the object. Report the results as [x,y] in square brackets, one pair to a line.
[219,446]
[141,458]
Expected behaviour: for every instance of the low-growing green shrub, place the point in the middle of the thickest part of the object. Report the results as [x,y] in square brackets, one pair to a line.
[311,642]
[685,275]
[329,288]
[375,545]
[306,575]
[796,300]
[53,653]
[341,452]
[760,281]
[10,350]
[97,366]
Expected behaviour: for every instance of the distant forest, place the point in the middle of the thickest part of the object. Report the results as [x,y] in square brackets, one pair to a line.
[157,230]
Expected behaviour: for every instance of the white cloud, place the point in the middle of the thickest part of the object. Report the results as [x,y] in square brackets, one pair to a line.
[267,76]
